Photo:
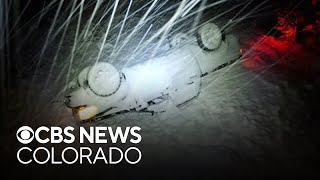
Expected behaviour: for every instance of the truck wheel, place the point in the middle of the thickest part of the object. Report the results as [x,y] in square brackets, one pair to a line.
[209,37]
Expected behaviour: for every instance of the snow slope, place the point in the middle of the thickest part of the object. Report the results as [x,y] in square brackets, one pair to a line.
[243,120]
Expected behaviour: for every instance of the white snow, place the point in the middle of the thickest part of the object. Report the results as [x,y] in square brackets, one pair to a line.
[237,116]
[173,77]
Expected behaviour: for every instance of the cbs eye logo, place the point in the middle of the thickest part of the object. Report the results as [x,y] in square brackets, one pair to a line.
[25,134]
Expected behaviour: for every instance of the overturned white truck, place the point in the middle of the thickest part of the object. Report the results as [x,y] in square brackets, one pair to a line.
[151,85]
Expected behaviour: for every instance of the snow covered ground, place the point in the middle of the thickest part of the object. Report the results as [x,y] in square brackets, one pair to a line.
[250,117]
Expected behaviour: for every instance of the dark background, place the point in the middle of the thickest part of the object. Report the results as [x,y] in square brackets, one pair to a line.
[22,39]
